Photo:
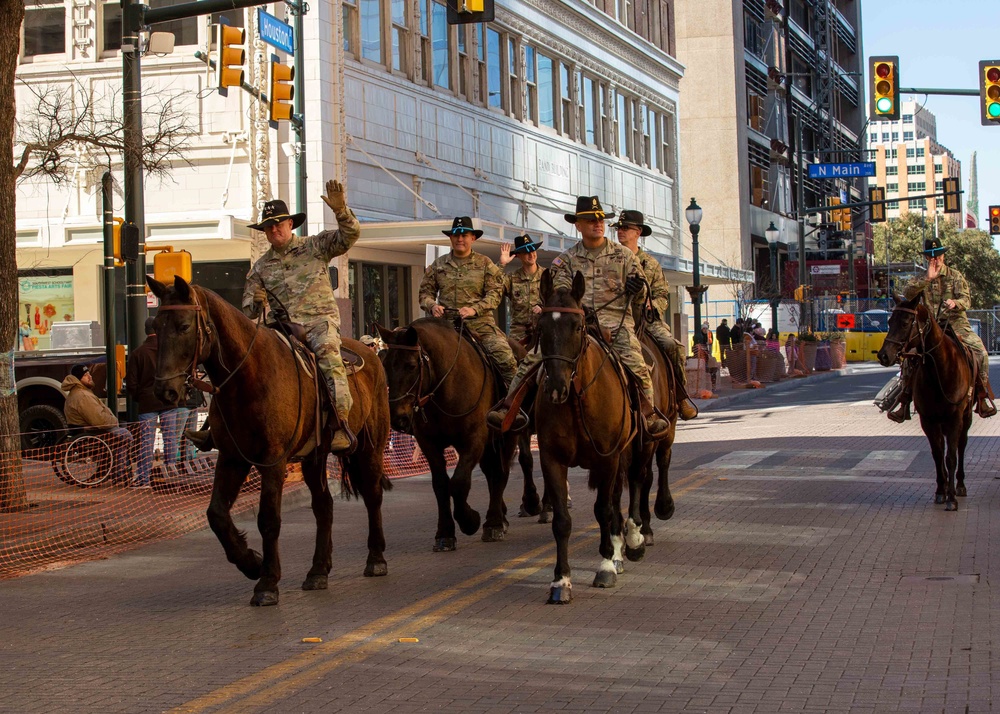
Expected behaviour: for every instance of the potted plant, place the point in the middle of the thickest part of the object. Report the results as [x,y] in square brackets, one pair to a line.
[808,346]
[838,349]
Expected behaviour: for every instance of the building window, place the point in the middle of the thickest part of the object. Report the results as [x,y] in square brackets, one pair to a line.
[566,97]
[399,36]
[939,186]
[915,168]
[493,68]
[940,203]
[891,170]
[910,152]
[350,20]
[513,84]
[915,203]
[531,86]
[44,28]
[111,22]
[916,187]
[650,144]
[895,136]
[622,116]
[920,152]
[371,30]
[885,137]
[590,118]
[907,118]
[546,92]
[379,294]
[907,136]
[891,187]
[439,30]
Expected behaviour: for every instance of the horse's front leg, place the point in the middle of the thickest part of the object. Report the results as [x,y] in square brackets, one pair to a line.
[556,490]
[936,439]
[963,439]
[272,481]
[365,466]
[444,538]
[604,512]
[640,480]
[530,503]
[469,455]
[314,474]
[664,507]
[230,473]
[951,465]
[495,463]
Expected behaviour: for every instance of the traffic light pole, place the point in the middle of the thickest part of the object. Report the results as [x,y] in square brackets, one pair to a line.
[801,218]
[109,292]
[943,92]
[299,126]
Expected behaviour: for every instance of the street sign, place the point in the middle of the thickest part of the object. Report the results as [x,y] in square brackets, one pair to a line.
[860,169]
[845,322]
[279,34]
[824,269]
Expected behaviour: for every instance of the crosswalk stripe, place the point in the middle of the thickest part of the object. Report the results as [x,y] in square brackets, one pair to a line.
[738,460]
[886,461]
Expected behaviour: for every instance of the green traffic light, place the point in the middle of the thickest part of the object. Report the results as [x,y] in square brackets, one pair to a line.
[884,105]
[993,110]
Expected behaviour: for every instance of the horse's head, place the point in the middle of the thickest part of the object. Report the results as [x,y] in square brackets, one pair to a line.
[184,338]
[562,334]
[403,361]
[904,324]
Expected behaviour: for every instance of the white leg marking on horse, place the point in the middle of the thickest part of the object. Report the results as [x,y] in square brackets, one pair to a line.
[617,542]
[607,566]
[562,582]
[633,534]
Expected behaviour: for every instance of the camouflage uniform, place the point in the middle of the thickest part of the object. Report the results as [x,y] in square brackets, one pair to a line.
[473,282]
[951,285]
[605,270]
[522,289]
[298,276]
[659,297]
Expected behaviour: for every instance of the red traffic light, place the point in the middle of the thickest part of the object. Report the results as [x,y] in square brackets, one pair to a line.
[883,69]
[993,74]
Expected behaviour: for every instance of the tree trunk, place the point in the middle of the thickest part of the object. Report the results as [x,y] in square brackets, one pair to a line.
[13,496]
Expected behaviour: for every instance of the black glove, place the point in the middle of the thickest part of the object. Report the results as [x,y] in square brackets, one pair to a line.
[633,284]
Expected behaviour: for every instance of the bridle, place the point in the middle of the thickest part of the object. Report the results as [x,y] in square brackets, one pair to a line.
[583,342]
[916,326]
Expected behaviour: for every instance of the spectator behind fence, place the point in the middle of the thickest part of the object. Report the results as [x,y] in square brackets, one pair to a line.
[83,408]
[704,336]
[722,334]
[187,419]
[704,354]
[139,379]
[736,333]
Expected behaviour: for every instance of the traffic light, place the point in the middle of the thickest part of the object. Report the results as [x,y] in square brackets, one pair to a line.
[989,92]
[876,213]
[800,293]
[845,219]
[281,91]
[995,220]
[116,237]
[883,86]
[834,216]
[461,12]
[229,63]
[952,201]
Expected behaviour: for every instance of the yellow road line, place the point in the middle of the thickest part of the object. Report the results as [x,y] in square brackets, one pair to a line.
[365,640]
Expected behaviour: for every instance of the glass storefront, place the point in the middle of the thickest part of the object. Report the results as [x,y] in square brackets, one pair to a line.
[379,293]
[42,301]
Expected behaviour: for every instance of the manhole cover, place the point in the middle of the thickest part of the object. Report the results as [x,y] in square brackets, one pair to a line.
[943,579]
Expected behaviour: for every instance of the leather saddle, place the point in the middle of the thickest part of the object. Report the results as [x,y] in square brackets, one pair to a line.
[297,337]
[491,364]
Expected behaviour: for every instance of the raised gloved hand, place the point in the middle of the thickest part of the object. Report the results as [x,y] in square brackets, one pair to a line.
[335,197]
[633,284]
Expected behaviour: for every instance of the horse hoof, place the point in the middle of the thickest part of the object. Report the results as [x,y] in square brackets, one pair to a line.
[939,498]
[560,595]
[952,506]
[493,534]
[314,582]
[442,545]
[469,523]
[545,515]
[647,539]
[531,507]
[605,579]
[264,598]
[377,570]
[619,566]
[960,491]
[252,568]
[569,501]
[635,554]
[664,513]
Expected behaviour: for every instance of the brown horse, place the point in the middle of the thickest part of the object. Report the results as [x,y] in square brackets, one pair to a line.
[662,374]
[264,414]
[941,380]
[584,418]
[440,390]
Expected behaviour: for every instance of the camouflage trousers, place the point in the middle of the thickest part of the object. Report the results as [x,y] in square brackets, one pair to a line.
[972,341]
[520,330]
[495,342]
[324,340]
[627,346]
[664,338]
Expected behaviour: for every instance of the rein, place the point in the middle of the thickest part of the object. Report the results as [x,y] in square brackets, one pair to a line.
[923,353]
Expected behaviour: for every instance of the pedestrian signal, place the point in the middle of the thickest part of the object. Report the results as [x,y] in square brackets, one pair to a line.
[995,220]
[883,86]
[281,91]
[989,92]
[952,203]
[799,294]
[229,63]
[876,196]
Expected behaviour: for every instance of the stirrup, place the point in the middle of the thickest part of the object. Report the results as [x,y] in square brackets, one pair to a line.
[496,417]
[343,441]
[900,413]
[985,407]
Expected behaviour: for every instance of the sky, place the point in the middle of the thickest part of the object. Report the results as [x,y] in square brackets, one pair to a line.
[939,45]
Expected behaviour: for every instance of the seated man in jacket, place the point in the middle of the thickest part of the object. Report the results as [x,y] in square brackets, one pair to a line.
[83,408]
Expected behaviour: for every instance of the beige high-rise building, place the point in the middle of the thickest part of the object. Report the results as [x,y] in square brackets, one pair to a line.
[909,161]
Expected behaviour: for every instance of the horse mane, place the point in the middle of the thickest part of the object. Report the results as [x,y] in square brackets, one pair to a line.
[562,297]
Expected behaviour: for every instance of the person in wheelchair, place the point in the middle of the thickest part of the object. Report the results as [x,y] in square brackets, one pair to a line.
[84,409]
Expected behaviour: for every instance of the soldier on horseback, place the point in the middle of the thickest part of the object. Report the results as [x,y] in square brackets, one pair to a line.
[521,287]
[946,294]
[614,283]
[472,285]
[631,227]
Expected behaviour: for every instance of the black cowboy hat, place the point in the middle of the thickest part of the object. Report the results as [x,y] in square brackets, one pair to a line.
[633,218]
[274,212]
[462,224]
[524,244]
[933,247]
[588,207]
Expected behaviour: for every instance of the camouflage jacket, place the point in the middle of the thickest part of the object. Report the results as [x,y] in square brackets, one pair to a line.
[659,286]
[522,289]
[455,283]
[948,285]
[298,276]
[605,270]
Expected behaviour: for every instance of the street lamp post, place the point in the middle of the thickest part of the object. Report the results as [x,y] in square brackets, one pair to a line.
[696,289]
[772,234]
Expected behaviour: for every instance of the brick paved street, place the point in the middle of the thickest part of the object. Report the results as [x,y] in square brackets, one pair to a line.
[806,569]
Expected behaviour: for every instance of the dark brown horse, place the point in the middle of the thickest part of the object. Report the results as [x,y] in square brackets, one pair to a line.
[440,390]
[942,381]
[263,415]
[662,374]
[585,419]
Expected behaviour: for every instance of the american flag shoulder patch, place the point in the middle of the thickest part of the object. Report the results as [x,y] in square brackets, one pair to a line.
[557,262]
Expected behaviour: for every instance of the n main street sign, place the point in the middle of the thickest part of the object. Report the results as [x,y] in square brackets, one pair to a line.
[861,169]
[277,33]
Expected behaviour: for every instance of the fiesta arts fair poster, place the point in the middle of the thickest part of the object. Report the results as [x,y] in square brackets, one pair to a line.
[43,301]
